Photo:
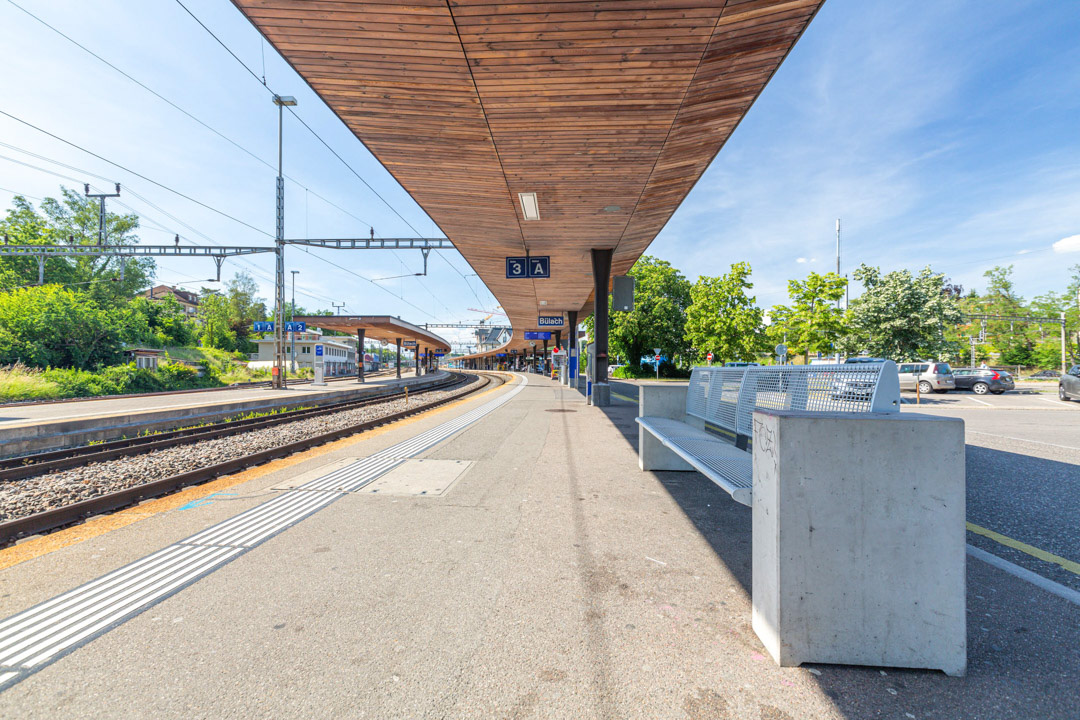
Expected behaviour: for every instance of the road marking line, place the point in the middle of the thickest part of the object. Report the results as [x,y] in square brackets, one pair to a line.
[1024,574]
[982,402]
[1073,567]
[1035,442]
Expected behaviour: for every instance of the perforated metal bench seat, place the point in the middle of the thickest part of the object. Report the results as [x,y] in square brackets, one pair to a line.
[714,457]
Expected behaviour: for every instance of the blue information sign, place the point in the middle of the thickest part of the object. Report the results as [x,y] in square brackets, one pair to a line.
[264,326]
[439,354]
[408,343]
[500,354]
[529,335]
[318,350]
[528,267]
[295,326]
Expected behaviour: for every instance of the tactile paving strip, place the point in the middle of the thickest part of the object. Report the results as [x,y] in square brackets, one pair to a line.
[46,632]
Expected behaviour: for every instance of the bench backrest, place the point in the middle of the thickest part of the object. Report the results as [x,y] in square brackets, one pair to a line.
[726,398]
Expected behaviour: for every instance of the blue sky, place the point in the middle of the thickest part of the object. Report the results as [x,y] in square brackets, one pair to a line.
[944,133]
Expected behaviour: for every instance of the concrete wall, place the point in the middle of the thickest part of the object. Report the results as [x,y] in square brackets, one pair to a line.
[859,539]
[666,400]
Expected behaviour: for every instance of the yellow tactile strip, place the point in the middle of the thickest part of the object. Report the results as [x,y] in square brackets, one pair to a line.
[96,526]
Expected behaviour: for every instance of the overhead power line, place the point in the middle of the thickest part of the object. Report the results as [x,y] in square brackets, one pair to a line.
[133,172]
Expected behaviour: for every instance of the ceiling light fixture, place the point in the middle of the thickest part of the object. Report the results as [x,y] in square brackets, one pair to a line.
[529,207]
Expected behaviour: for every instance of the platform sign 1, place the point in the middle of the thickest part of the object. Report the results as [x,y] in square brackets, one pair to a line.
[553,321]
[536,267]
[530,335]
[297,326]
[264,326]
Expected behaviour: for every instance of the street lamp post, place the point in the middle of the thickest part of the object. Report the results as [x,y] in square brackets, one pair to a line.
[282,101]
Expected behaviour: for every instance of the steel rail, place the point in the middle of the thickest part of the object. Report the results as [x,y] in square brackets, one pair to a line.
[19,468]
[69,514]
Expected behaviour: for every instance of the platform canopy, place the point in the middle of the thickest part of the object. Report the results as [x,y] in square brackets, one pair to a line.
[383,328]
[608,112]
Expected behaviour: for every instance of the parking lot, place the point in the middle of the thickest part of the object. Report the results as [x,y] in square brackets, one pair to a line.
[1023,473]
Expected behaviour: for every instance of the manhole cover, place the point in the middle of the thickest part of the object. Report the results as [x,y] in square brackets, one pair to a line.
[560,410]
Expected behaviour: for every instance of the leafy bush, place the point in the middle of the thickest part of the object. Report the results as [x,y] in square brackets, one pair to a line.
[18,383]
[50,326]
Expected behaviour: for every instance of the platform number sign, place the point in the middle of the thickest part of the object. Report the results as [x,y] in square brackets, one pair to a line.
[534,267]
[263,326]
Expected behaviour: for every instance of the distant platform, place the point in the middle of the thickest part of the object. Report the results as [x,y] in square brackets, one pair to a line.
[34,428]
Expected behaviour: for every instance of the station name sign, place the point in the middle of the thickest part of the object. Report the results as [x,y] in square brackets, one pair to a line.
[408,343]
[531,335]
[551,321]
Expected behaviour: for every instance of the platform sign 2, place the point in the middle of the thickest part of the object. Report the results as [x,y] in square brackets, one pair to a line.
[529,335]
[264,326]
[297,326]
[535,267]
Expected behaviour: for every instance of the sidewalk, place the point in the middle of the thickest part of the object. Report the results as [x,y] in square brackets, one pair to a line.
[552,579]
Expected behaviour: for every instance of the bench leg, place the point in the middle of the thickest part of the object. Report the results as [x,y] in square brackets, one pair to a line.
[652,455]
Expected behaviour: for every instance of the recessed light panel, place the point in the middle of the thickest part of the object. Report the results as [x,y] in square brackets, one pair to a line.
[529,207]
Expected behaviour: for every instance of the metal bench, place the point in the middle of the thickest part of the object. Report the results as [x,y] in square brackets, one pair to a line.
[708,424]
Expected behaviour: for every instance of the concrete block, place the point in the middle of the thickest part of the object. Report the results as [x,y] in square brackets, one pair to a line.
[859,539]
[601,395]
[666,401]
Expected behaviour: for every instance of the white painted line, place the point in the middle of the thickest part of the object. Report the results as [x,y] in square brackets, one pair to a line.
[1056,402]
[35,637]
[1033,442]
[1036,579]
[981,402]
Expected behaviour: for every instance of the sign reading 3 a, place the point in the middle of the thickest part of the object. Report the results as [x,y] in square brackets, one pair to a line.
[533,267]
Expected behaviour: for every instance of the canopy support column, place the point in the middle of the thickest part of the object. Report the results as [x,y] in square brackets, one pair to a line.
[360,332]
[601,267]
[397,341]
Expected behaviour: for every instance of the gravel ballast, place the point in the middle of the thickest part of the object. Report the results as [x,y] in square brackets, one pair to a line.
[20,498]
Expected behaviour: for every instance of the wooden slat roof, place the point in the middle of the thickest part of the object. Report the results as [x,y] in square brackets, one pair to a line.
[608,111]
[384,328]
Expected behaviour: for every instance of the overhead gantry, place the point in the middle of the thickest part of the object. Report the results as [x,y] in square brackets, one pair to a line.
[561,130]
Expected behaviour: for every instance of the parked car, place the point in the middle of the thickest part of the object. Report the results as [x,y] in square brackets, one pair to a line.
[740,363]
[926,376]
[612,368]
[1047,374]
[852,360]
[983,380]
[1069,384]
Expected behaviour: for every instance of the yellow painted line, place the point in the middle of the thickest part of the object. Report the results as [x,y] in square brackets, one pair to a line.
[1073,567]
[102,524]
[624,397]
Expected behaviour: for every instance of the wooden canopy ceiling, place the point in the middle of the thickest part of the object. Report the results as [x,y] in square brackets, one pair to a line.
[383,328]
[608,111]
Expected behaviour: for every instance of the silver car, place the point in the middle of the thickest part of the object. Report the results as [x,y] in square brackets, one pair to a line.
[927,376]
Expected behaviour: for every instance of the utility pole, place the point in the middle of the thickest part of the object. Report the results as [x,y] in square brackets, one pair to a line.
[282,101]
[103,230]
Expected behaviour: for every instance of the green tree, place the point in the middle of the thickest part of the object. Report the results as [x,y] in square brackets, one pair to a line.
[722,318]
[51,326]
[73,220]
[167,323]
[902,316]
[812,323]
[661,296]
[244,309]
[216,324]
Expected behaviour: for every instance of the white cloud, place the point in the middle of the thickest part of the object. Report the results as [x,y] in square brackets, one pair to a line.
[1068,245]
[801,260]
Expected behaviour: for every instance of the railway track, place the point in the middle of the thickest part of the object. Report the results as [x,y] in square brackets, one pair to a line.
[15,471]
